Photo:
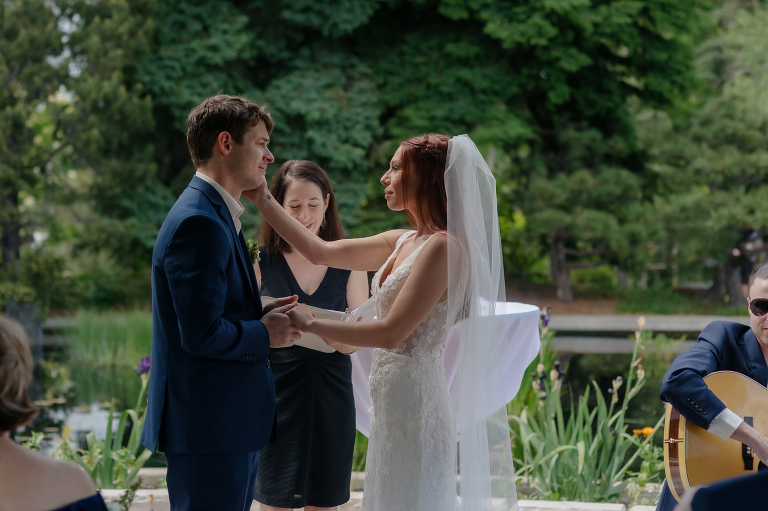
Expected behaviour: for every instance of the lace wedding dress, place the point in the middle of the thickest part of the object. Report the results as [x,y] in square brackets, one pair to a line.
[411,462]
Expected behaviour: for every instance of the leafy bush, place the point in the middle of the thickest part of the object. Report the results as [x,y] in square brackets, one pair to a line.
[16,291]
[39,278]
[599,277]
[45,272]
[112,463]
[587,455]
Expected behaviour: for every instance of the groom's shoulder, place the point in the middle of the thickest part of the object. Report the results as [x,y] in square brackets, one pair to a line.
[193,201]
[191,204]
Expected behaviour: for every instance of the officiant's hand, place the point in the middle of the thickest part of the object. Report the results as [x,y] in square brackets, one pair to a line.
[282,332]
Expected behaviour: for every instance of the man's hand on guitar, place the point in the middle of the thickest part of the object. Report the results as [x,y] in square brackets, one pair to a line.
[748,435]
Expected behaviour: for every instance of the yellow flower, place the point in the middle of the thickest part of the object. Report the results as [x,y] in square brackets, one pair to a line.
[646,431]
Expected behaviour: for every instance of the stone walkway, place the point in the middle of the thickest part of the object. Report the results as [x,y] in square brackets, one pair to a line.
[157,500]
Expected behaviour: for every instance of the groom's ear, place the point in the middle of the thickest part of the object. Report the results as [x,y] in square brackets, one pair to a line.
[223,143]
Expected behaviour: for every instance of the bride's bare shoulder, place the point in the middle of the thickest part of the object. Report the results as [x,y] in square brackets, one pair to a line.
[393,236]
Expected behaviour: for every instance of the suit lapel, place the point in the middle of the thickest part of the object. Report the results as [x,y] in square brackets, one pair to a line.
[237,239]
[249,266]
[755,357]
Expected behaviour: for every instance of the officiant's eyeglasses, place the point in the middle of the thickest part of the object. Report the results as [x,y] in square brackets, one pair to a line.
[759,306]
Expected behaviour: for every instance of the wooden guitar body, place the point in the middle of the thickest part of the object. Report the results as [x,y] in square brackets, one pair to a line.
[692,456]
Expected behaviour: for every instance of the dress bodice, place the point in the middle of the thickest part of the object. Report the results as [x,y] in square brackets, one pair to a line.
[278,280]
[411,463]
[428,338]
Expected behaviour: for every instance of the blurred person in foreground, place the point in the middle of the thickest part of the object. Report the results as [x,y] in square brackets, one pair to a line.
[30,481]
[748,492]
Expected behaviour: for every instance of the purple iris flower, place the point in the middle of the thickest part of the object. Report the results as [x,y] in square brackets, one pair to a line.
[545,317]
[143,366]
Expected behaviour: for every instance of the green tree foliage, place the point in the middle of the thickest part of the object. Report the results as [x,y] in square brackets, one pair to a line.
[116,127]
[547,89]
[32,69]
[714,163]
[582,66]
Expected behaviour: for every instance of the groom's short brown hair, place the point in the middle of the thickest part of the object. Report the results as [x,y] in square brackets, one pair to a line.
[219,113]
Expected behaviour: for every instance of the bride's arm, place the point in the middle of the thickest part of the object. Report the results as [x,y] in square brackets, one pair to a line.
[426,285]
[349,254]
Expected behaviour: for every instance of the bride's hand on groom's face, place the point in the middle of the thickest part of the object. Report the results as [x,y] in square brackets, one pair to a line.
[254,194]
[301,317]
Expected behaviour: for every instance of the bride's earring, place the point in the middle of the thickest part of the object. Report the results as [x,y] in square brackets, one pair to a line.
[322,224]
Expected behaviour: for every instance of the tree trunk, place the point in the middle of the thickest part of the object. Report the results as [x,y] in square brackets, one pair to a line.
[10,227]
[560,270]
[726,285]
[733,285]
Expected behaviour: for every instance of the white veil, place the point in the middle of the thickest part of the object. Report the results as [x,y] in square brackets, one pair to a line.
[486,474]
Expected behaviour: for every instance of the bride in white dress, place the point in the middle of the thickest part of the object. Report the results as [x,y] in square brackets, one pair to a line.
[426,453]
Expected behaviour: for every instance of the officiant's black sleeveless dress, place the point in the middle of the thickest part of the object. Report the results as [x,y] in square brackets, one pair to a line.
[311,462]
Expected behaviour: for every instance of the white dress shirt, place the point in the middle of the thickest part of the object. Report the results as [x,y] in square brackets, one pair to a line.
[724,424]
[235,208]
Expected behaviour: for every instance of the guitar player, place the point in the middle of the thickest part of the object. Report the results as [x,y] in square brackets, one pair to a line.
[722,346]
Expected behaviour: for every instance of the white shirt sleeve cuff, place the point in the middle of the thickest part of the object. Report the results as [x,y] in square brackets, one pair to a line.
[724,424]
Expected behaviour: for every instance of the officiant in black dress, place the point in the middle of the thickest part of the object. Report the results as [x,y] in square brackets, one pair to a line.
[310,465]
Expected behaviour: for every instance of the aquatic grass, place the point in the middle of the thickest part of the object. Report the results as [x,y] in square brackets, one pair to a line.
[110,338]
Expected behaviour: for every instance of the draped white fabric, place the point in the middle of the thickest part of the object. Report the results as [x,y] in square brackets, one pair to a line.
[519,329]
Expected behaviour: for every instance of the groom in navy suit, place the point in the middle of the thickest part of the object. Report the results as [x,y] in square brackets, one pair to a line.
[211,404]
[723,346]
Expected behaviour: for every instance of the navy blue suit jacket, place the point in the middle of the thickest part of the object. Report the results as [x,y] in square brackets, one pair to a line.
[210,389]
[722,346]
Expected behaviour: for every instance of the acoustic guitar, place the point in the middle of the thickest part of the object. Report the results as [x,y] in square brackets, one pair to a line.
[693,456]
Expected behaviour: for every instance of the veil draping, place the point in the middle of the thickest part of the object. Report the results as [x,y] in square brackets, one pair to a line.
[485,467]
[484,366]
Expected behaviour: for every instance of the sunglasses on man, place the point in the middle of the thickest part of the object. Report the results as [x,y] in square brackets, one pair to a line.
[759,306]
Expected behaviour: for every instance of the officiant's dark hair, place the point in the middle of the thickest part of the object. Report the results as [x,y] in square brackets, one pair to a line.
[291,172]
[219,113]
[423,159]
[16,408]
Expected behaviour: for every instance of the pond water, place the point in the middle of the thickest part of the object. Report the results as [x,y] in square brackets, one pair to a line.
[79,395]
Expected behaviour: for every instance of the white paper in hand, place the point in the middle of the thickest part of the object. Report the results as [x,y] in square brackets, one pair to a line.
[366,312]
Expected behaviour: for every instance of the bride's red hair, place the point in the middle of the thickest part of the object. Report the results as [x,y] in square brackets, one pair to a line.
[423,159]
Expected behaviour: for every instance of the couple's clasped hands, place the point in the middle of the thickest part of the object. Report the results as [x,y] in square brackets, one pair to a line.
[301,317]
[283,332]
[286,318]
